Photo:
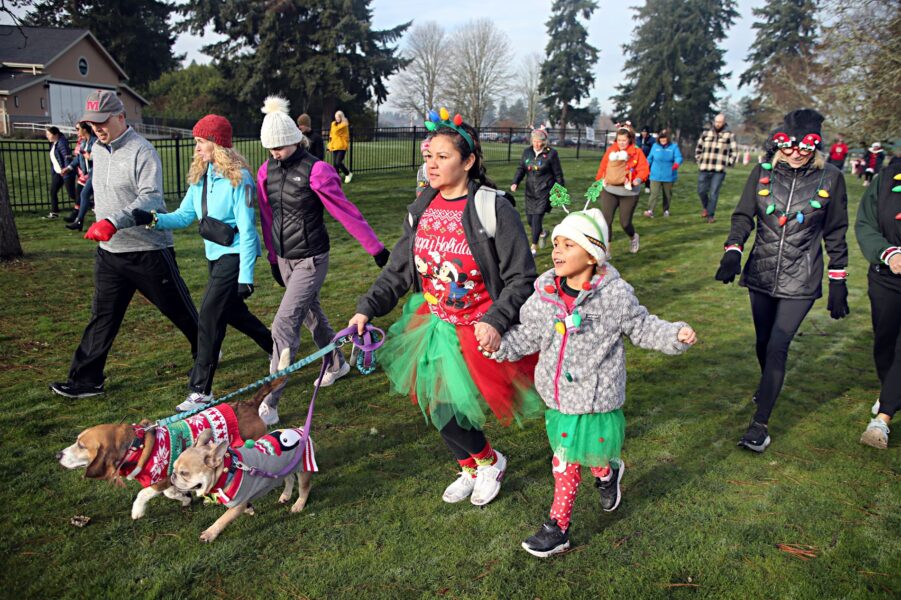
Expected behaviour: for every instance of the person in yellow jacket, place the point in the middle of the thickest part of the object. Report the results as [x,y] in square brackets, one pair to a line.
[339,142]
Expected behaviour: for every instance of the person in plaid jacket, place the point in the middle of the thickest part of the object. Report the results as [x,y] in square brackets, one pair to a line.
[715,151]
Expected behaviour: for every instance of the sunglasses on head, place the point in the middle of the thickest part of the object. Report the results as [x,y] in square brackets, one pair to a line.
[789,145]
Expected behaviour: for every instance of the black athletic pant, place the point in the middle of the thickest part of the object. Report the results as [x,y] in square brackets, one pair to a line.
[626,204]
[463,442]
[339,162]
[535,224]
[117,275]
[57,182]
[776,321]
[885,305]
[222,306]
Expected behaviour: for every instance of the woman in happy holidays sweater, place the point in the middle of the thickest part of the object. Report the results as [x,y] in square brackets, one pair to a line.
[575,319]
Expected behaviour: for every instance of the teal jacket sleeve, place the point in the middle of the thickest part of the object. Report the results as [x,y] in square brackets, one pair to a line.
[181,218]
[245,219]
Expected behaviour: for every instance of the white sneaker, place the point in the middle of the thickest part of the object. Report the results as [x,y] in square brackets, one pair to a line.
[269,414]
[488,481]
[460,489]
[647,190]
[542,239]
[633,247]
[194,400]
[875,408]
[534,250]
[329,377]
[666,213]
[51,215]
[348,178]
[876,434]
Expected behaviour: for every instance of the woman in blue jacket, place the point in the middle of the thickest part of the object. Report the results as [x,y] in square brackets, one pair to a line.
[664,161]
[223,175]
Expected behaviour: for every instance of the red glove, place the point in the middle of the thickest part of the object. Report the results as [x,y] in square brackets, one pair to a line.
[675,166]
[101,231]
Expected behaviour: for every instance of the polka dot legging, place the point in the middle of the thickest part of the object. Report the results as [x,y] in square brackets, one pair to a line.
[567,477]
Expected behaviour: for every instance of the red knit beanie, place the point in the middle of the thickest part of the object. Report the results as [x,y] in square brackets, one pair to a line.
[214,128]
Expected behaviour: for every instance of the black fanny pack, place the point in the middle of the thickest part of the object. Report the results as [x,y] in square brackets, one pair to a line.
[214,230]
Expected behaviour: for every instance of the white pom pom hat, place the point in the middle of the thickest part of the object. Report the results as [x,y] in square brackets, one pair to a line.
[588,229]
[278,128]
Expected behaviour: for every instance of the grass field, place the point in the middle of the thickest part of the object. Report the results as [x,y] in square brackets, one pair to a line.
[699,518]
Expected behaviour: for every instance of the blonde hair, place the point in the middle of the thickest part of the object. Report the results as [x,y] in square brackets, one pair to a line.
[228,162]
[343,118]
[819,159]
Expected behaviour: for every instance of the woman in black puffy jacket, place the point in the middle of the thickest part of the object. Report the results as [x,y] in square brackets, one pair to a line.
[540,166]
[797,201]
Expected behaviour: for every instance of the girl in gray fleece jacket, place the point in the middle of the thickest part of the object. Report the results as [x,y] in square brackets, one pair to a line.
[575,320]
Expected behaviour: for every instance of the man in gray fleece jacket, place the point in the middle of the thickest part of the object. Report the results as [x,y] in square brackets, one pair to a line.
[127,175]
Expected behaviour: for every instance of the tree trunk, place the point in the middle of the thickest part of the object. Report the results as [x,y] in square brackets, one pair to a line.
[563,125]
[10,247]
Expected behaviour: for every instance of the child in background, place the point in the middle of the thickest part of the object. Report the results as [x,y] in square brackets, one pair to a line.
[422,176]
[575,320]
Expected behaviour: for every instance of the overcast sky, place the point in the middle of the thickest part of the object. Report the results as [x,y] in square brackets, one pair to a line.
[524,22]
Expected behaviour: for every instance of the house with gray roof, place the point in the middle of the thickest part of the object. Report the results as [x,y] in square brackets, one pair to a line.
[46,73]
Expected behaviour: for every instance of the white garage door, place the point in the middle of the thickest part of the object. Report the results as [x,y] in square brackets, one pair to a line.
[67,103]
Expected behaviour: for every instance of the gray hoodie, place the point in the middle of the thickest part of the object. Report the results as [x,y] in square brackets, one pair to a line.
[128,174]
[584,371]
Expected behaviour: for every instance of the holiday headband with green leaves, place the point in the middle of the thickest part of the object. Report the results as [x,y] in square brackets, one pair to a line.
[437,120]
[560,195]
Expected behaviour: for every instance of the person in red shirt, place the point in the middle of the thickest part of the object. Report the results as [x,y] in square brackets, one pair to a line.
[838,153]
[468,288]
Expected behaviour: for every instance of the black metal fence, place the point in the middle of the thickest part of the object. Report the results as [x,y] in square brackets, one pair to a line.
[28,170]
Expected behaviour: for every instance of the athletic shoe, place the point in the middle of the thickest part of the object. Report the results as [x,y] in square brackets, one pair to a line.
[330,377]
[269,414]
[542,239]
[756,438]
[71,389]
[875,408]
[647,190]
[633,246]
[488,481]
[547,541]
[704,213]
[534,250]
[711,219]
[51,215]
[649,213]
[666,213]
[609,490]
[460,489]
[70,218]
[194,401]
[348,178]
[75,226]
[876,434]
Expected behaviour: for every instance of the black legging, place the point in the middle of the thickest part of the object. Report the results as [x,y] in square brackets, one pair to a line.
[535,223]
[776,320]
[626,204]
[339,162]
[56,183]
[885,303]
[463,442]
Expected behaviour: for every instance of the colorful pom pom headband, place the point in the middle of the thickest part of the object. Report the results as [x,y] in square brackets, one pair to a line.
[436,120]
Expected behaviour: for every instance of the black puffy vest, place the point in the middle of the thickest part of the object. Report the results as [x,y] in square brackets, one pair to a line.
[787,261]
[298,229]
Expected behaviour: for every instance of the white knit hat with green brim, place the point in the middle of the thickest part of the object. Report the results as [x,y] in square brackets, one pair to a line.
[278,129]
[586,228]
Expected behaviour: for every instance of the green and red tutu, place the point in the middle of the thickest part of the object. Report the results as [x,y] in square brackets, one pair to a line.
[439,366]
[592,440]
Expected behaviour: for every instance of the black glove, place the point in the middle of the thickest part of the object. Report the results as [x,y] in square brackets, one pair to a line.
[838,299]
[141,217]
[245,290]
[277,274]
[730,266]
[381,259]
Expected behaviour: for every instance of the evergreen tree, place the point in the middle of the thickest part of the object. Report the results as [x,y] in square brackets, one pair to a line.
[674,65]
[323,55]
[136,33]
[785,28]
[188,93]
[567,72]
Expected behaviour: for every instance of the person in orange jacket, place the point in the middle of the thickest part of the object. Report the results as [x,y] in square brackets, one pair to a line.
[623,170]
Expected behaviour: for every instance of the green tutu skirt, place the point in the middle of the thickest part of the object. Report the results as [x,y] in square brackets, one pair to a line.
[591,440]
[438,365]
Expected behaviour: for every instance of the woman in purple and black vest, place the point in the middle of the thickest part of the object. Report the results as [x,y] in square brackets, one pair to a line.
[295,188]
